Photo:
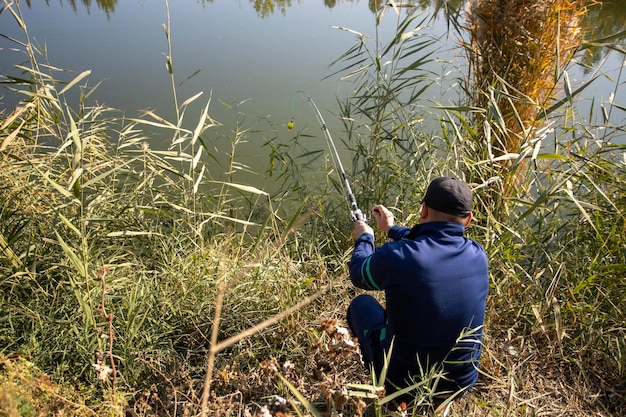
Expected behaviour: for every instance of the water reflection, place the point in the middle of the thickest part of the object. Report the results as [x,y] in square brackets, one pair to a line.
[265,8]
[107,6]
[605,18]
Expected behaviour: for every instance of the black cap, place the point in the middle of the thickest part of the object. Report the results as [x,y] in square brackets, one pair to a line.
[450,196]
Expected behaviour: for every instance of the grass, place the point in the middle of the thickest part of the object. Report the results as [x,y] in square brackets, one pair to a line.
[144,282]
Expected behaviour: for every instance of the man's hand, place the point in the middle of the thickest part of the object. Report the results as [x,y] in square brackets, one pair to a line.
[361,227]
[384,218]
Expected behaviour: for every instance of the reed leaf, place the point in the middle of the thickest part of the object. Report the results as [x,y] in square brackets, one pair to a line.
[72,256]
[242,187]
[56,186]
[301,398]
[69,224]
[75,81]
[127,233]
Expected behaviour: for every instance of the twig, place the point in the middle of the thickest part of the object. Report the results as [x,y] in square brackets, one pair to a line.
[109,319]
[212,351]
[217,347]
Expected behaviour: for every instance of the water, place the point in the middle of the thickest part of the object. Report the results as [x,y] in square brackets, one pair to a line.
[226,49]
[239,55]
[231,52]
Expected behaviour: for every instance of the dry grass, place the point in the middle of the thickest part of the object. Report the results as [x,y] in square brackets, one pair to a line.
[534,381]
[520,377]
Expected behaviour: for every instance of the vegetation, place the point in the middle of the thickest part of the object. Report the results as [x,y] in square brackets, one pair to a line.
[517,63]
[143,282]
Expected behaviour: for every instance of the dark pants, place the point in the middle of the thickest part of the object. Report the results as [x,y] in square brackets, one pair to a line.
[368,321]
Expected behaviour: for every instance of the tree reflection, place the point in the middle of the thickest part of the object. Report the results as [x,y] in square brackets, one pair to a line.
[108,6]
[266,8]
[605,18]
[611,13]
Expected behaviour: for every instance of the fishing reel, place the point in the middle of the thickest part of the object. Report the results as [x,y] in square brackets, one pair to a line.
[357,214]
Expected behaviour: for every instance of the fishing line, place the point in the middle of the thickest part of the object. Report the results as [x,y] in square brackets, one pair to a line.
[356,213]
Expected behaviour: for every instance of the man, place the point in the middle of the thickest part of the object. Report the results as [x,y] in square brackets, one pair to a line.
[435,281]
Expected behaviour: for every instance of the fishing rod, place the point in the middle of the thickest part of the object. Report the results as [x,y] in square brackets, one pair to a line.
[355,211]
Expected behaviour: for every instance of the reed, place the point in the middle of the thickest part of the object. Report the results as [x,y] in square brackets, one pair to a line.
[115,251]
[518,54]
[538,168]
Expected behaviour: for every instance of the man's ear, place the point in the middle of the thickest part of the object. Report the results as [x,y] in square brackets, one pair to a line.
[468,219]
[424,212]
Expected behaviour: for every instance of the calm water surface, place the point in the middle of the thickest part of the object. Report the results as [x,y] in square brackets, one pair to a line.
[228,49]
[231,52]
[239,54]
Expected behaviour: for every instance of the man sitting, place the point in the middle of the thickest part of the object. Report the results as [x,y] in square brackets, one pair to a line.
[435,281]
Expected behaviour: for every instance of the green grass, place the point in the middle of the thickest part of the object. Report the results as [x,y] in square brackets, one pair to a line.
[147,280]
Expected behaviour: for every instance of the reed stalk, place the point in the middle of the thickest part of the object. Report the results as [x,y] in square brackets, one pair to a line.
[518,54]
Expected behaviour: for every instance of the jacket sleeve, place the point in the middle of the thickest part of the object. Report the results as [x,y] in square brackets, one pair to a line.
[360,262]
[398,232]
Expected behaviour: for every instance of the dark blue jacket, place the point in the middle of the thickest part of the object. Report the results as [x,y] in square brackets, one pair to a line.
[435,281]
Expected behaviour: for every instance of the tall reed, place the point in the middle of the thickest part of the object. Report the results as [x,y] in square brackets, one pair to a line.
[539,172]
[115,248]
[392,156]
[518,54]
